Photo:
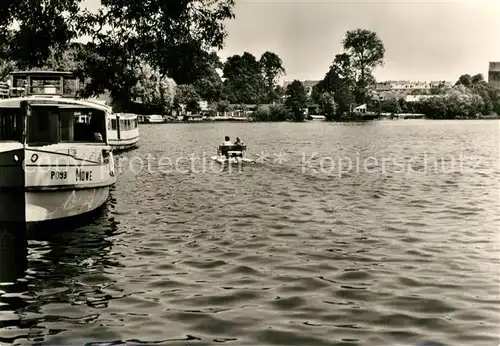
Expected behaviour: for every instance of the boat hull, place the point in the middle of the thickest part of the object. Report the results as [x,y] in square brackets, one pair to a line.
[124,144]
[232,160]
[39,206]
[42,185]
[317,118]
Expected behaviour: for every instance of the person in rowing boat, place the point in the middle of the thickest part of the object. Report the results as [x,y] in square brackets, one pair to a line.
[238,143]
[227,143]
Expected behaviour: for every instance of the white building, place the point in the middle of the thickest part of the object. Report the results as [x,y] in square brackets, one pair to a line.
[203,105]
[406,85]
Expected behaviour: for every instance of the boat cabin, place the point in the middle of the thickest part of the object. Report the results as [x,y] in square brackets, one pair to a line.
[123,122]
[47,111]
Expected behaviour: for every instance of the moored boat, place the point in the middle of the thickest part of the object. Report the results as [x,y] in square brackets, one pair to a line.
[123,130]
[231,154]
[55,157]
[154,118]
[316,117]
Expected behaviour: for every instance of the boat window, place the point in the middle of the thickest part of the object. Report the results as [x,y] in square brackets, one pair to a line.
[40,85]
[66,126]
[49,125]
[70,86]
[91,128]
[10,125]
[43,126]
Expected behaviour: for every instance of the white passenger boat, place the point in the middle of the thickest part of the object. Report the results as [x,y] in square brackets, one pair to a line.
[232,154]
[154,118]
[316,117]
[55,158]
[123,131]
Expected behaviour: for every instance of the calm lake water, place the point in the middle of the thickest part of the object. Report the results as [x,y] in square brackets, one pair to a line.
[382,233]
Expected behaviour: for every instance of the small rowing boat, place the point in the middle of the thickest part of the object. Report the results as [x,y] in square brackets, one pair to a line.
[231,154]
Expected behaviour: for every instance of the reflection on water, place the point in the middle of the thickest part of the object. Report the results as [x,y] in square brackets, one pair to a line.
[60,254]
[13,255]
[274,254]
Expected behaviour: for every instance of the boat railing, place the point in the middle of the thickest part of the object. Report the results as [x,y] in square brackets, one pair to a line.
[4,90]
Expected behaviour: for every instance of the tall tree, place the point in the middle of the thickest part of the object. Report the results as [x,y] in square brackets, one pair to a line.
[45,26]
[278,93]
[327,105]
[340,82]
[365,51]
[243,80]
[272,68]
[173,36]
[296,99]
[153,89]
[208,83]
[465,80]
[477,85]
[186,99]
[109,68]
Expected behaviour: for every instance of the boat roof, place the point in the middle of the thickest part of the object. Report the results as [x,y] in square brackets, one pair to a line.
[15,102]
[41,73]
[124,115]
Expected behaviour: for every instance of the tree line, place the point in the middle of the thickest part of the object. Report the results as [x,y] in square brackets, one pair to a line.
[470,97]
[163,56]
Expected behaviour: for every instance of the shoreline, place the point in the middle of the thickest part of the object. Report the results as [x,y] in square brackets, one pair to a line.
[318,121]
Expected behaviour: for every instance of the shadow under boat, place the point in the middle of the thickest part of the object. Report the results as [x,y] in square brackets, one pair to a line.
[35,258]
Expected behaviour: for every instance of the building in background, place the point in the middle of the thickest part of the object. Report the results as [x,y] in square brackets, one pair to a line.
[408,86]
[203,105]
[494,74]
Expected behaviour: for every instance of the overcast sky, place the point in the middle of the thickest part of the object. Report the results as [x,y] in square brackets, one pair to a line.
[433,40]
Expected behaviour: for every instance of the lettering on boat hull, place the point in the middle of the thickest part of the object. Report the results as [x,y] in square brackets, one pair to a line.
[83,175]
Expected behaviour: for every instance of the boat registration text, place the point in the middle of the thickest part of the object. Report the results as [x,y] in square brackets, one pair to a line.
[80,175]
